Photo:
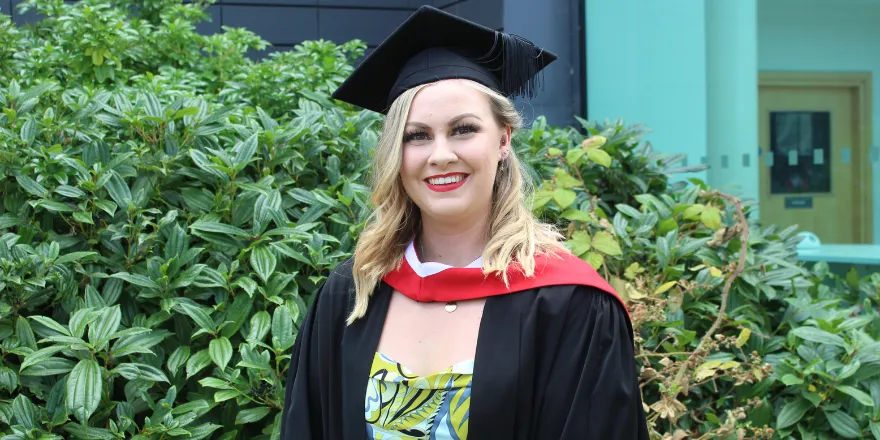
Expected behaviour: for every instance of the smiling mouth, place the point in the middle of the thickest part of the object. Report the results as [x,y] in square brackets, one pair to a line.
[446,183]
[446,180]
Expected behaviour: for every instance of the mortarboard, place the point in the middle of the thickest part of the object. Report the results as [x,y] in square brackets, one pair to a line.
[433,45]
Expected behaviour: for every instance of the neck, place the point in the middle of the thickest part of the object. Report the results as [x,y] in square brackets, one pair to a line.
[456,246]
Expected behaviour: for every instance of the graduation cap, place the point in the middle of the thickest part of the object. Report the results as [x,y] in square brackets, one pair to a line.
[433,45]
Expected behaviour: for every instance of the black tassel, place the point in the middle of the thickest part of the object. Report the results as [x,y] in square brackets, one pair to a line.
[521,65]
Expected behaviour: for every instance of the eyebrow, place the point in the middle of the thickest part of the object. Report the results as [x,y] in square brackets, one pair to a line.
[451,121]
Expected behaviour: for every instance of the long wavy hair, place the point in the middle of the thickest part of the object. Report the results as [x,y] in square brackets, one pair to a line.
[514,234]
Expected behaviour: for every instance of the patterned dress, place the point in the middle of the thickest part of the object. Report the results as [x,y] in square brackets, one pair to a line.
[403,406]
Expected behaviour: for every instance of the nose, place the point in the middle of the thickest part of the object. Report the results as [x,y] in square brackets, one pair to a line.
[442,155]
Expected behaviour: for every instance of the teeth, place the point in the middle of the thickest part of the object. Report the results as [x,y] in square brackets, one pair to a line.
[446,180]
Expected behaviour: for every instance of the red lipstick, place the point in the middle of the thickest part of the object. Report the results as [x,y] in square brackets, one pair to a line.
[447,187]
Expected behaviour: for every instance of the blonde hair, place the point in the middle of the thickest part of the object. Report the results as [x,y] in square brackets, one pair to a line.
[514,234]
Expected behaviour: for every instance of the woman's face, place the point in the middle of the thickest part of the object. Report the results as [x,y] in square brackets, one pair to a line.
[451,148]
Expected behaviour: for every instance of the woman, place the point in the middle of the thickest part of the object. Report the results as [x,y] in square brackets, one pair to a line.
[460,315]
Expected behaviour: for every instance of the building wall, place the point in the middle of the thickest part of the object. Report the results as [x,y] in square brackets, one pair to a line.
[555,26]
[646,63]
[825,35]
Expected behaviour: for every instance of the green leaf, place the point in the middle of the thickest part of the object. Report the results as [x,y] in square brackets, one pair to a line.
[40,355]
[565,180]
[75,256]
[186,111]
[564,197]
[541,198]
[261,323]
[849,369]
[52,324]
[31,186]
[666,286]
[219,228]
[580,243]
[814,334]
[790,379]
[8,221]
[137,280]
[251,415]
[263,261]
[118,190]
[202,431]
[84,387]
[135,371]
[178,359]
[104,326]
[792,412]
[28,130]
[606,243]
[197,362]
[52,206]
[205,164]
[107,206]
[25,333]
[8,380]
[282,328]
[859,395]
[70,191]
[875,429]
[594,259]
[247,284]
[224,395]
[236,314]
[599,156]
[573,155]
[244,151]
[576,214]
[49,367]
[138,343]
[220,350]
[843,424]
[213,382]
[693,212]
[666,226]
[24,412]
[711,217]
[198,315]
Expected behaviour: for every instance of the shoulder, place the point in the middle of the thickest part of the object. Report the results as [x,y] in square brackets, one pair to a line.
[335,295]
[564,268]
[340,281]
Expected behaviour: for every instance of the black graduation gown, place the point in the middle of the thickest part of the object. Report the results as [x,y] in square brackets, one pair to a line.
[551,363]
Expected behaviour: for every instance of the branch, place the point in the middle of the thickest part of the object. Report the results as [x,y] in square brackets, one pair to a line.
[743,225]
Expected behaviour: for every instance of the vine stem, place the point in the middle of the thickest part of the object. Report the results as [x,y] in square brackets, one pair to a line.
[743,225]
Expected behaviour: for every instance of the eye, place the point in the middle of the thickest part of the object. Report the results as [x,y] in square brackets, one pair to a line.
[465,129]
[415,136]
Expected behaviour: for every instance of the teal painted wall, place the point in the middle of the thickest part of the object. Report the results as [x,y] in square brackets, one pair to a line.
[646,63]
[825,35]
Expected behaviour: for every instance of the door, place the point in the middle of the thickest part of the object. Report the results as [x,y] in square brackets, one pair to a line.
[811,173]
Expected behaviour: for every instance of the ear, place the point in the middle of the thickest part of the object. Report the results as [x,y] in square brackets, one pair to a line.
[505,142]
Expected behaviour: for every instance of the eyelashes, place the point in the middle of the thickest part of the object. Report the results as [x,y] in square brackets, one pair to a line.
[458,130]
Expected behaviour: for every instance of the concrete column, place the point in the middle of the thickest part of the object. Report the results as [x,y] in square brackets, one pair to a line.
[732,96]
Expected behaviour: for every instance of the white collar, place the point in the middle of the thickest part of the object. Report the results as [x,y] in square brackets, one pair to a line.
[430,268]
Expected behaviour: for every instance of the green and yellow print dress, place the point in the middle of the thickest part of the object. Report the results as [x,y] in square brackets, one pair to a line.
[403,406]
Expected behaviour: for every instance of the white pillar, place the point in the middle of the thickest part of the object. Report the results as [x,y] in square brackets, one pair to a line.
[732,96]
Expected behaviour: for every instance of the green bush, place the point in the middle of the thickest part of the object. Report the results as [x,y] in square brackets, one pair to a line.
[169,206]
[794,352]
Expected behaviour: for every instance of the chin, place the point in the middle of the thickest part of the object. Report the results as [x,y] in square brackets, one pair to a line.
[445,209]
